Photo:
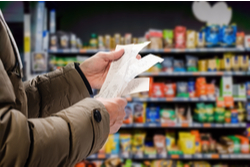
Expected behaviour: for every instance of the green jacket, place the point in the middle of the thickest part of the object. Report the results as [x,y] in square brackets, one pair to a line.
[48,121]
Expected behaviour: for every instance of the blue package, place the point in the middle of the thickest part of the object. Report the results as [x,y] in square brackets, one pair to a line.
[117,144]
[228,35]
[212,37]
[153,114]
[179,66]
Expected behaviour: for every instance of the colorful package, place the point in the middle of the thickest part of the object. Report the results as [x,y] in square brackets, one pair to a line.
[191,88]
[160,144]
[170,140]
[138,143]
[200,39]
[179,66]
[128,119]
[235,63]
[180,37]
[112,145]
[244,62]
[182,89]
[153,114]
[191,63]
[170,90]
[212,35]
[190,39]
[167,116]
[139,112]
[240,39]
[168,64]
[125,143]
[158,90]
[168,36]
[186,142]
[228,35]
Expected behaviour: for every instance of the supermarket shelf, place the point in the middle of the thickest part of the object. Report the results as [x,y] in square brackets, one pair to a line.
[218,73]
[173,50]
[180,99]
[184,156]
[185,125]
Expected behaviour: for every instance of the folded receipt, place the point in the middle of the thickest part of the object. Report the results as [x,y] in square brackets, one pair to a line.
[120,80]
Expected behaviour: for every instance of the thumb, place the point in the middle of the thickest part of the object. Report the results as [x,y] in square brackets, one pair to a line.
[114,55]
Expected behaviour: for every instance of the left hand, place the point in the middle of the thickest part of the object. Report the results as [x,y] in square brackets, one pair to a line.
[96,67]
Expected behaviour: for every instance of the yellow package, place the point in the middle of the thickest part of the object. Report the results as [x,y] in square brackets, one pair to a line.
[244,62]
[202,65]
[138,143]
[235,63]
[191,39]
[211,65]
[186,142]
[125,144]
[227,61]
[170,140]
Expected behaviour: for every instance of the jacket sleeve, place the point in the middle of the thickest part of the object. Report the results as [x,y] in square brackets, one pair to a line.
[52,92]
[62,139]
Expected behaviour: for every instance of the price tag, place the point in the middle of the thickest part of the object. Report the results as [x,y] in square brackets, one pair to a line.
[175,156]
[196,73]
[152,125]
[219,73]
[208,156]
[113,155]
[101,155]
[215,156]
[186,156]
[167,50]
[139,156]
[169,99]
[224,156]
[198,156]
[243,125]
[184,125]
[197,125]
[206,125]
[218,125]
[151,156]
[138,125]
[233,156]
[92,156]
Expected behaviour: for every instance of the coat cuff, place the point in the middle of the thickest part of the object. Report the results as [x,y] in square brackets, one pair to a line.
[87,134]
[83,78]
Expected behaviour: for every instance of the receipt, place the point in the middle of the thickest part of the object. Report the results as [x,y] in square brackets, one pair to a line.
[120,78]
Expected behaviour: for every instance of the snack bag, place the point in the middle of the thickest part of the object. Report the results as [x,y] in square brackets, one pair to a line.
[244,62]
[235,63]
[170,90]
[240,39]
[168,116]
[153,114]
[228,35]
[186,142]
[190,39]
[227,61]
[179,66]
[197,140]
[211,65]
[182,89]
[212,35]
[168,64]
[191,88]
[180,37]
[112,144]
[191,63]
[128,119]
[247,41]
[160,144]
[170,140]
[125,143]
[200,39]
[168,36]
[139,112]
[158,90]
[149,148]
[138,143]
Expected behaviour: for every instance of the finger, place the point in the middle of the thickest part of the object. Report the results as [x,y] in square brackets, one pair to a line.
[121,101]
[138,57]
[114,55]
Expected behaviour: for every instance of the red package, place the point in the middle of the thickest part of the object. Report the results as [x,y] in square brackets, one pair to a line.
[180,37]
[170,90]
[158,90]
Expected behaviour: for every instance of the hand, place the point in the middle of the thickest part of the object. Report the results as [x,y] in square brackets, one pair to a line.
[115,108]
[96,67]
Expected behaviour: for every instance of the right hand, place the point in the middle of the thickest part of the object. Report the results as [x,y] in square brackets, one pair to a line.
[115,108]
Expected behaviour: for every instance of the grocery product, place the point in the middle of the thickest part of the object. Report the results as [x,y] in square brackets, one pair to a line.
[107,42]
[244,62]
[247,41]
[236,144]
[168,64]
[191,63]
[244,144]
[241,112]
[179,66]
[160,144]
[170,90]
[227,61]
[202,65]
[168,116]
[101,42]
[127,38]
[200,39]
[190,39]
[248,88]
[219,114]
[197,140]
[228,35]
[211,65]
[125,144]
[204,143]
[180,37]
[155,37]
[186,142]
[240,39]
[158,90]
[117,38]
[138,141]
[112,145]
[200,87]
[191,88]
[93,41]
[182,89]
[200,113]
[239,90]
[149,148]
[202,164]
[128,119]
[226,86]
[235,63]
[210,90]
[163,163]
[212,37]
[139,112]
[183,113]
[168,36]
[170,140]
[153,114]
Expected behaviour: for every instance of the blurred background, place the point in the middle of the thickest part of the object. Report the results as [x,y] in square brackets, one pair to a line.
[201,91]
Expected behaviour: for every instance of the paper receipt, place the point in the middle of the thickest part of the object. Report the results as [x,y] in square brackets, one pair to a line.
[120,80]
